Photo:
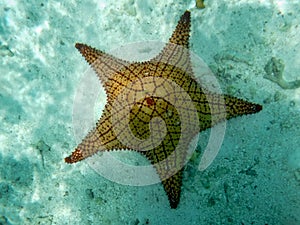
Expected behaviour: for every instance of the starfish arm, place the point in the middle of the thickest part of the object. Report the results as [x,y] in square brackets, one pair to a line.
[238,107]
[169,164]
[103,64]
[169,159]
[214,108]
[101,138]
[172,187]
[181,34]
[176,50]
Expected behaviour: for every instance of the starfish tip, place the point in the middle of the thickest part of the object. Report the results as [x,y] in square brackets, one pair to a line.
[186,17]
[258,107]
[81,47]
[74,157]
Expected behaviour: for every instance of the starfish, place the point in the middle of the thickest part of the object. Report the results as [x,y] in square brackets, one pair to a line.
[155,107]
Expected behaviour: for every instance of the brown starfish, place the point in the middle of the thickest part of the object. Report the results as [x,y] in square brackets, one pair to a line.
[155,108]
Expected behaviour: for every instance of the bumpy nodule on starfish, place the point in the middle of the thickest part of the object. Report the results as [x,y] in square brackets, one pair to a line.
[156,108]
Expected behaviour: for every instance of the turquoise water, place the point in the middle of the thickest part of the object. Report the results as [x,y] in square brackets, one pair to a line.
[255,178]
